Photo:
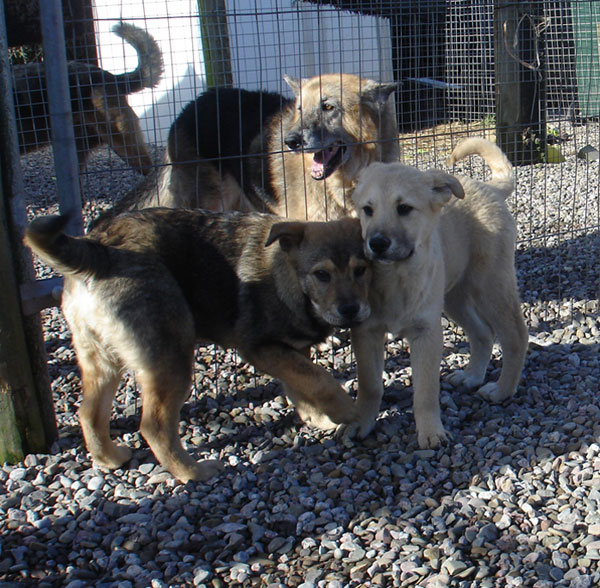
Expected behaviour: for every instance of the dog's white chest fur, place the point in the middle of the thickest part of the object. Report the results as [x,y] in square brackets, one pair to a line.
[406,299]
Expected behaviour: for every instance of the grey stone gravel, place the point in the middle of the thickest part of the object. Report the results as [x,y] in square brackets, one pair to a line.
[512,500]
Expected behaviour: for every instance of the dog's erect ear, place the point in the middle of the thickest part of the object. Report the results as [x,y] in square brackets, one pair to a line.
[289,235]
[444,186]
[294,83]
[376,94]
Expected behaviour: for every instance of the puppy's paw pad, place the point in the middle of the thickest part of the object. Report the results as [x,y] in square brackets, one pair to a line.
[492,393]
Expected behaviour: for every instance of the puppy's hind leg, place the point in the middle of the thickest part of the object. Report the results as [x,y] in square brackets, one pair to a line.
[461,308]
[163,393]
[504,312]
[100,379]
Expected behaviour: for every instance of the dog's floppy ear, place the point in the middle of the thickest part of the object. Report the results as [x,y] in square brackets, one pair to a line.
[377,94]
[294,83]
[289,235]
[444,186]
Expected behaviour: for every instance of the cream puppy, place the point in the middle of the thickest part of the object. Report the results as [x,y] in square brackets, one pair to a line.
[438,243]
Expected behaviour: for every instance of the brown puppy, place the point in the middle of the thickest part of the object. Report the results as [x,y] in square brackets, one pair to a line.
[432,252]
[141,290]
[260,151]
[101,114]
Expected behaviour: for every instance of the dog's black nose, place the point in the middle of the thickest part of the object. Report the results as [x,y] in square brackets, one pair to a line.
[348,311]
[379,244]
[293,141]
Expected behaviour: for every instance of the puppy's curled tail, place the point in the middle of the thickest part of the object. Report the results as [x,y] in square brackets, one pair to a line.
[502,169]
[67,255]
[150,61]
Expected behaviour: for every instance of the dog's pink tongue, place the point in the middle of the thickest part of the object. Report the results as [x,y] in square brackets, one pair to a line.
[319,162]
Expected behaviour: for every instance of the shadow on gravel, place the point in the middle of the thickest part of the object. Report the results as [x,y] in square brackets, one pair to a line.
[293,501]
[569,270]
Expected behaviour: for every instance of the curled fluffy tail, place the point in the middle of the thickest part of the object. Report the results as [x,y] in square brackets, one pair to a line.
[502,169]
[67,255]
[150,62]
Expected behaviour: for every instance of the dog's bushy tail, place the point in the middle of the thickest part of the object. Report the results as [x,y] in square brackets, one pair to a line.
[150,61]
[67,255]
[502,169]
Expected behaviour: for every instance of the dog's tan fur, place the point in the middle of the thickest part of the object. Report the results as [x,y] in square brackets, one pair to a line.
[101,113]
[142,289]
[331,110]
[433,252]
[263,173]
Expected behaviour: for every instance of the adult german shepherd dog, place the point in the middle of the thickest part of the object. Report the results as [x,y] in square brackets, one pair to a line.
[233,149]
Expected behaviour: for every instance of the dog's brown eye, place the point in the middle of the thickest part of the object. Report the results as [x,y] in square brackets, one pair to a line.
[368,210]
[327,106]
[322,276]
[359,271]
[403,209]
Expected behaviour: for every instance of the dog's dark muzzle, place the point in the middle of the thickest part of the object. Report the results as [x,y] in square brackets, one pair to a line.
[327,155]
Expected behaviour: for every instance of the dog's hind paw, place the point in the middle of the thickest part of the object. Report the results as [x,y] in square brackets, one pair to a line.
[492,393]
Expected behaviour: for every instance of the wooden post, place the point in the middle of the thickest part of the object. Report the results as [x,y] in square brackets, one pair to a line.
[22,426]
[215,43]
[520,83]
[27,422]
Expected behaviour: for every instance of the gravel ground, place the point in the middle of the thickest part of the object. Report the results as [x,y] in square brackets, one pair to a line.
[512,500]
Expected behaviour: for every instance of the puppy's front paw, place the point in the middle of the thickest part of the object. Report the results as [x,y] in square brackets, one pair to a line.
[318,420]
[460,378]
[431,436]
[492,393]
[332,410]
[113,458]
[201,471]
[362,426]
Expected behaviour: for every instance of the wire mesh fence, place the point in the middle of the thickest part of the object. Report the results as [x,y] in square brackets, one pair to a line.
[444,55]
[295,505]
[458,65]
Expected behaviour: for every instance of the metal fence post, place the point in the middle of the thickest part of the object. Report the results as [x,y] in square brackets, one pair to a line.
[61,119]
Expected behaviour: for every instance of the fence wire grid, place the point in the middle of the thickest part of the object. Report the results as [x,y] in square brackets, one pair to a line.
[445,56]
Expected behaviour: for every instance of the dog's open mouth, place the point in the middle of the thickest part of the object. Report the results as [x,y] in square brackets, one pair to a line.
[327,161]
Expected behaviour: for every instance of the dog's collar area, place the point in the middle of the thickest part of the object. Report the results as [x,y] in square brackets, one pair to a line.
[325,162]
